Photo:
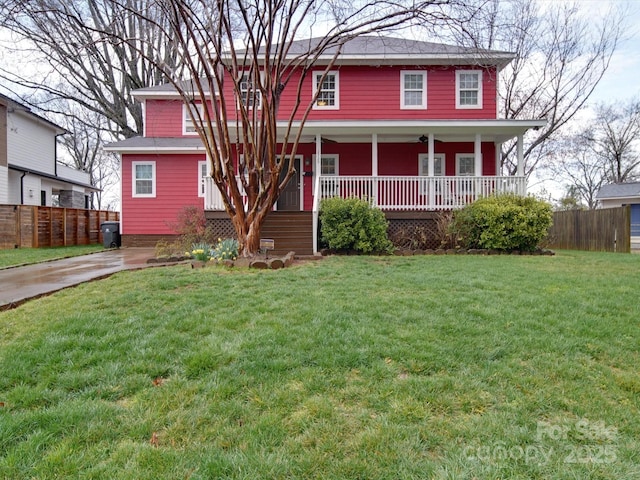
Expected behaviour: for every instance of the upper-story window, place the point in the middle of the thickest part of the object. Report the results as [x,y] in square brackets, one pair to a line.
[413,90]
[328,89]
[144,179]
[249,96]
[188,128]
[469,89]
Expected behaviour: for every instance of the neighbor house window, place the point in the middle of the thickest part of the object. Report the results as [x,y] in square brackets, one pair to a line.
[203,170]
[249,96]
[188,128]
[413,90]
[328,89]
[465,165]
[468,89]
[144,179]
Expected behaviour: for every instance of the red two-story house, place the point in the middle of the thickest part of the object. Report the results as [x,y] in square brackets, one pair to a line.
[412,126]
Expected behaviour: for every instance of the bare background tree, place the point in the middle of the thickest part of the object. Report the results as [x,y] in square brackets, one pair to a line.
[561,57]
[605,150]
[60,58]
[615,139]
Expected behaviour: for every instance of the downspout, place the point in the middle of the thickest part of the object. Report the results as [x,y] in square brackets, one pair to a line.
[22,188]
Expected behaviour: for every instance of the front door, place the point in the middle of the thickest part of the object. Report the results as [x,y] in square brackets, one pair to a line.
[290,197]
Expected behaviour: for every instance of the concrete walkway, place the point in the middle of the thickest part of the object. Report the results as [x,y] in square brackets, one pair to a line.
[23,283]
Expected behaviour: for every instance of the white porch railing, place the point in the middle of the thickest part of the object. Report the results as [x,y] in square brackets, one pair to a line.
[213,197]
[412,193]
[417,193]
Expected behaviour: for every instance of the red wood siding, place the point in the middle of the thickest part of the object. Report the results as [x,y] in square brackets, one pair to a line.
[368,93]
[176,187]
[163,118]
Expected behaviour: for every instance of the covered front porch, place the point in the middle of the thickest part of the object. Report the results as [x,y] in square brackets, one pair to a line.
[399,164]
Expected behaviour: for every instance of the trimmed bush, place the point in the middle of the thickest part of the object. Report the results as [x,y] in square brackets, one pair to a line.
[503,222]
[353,224]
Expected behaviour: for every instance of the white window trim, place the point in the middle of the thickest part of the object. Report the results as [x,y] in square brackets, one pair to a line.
[335,156]
[459,156]
[437,157]
[258,94]
[186,119]
[315,77]
[469,107]
[201,178]
[134,194]
[423,103]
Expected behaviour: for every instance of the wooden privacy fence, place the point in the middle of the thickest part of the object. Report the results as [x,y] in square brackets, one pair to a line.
[606,229]
[34,226]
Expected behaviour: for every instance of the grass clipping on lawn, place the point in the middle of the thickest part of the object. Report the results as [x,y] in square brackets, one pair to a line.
[354,367]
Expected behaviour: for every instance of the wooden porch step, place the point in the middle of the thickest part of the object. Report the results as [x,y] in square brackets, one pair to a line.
[291,231]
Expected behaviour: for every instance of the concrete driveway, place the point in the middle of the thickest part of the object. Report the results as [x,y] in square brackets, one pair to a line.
[23,283]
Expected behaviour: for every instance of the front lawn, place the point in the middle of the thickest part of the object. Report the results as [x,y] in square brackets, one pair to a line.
[23,256]
[432,367]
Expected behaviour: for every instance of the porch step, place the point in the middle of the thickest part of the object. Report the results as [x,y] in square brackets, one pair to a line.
[291,231]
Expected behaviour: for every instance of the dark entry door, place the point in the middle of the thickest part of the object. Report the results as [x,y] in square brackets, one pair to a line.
[290,197]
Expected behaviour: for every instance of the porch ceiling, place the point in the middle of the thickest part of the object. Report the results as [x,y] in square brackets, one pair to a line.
[406,131]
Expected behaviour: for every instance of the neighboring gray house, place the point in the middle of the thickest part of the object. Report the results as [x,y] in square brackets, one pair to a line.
[619,194]
[29,171]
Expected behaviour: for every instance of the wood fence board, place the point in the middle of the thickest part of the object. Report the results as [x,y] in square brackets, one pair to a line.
[33,226]
[606,229]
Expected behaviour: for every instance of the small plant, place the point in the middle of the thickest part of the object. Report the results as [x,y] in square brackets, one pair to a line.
[200,251]
[192,227]
[226,249]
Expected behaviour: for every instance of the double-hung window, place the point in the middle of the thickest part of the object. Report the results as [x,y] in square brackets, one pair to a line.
[413,90]
[468,89]
[144,179]
[250,96]
[329,168]
[327,88]
[438,170]
[188,128]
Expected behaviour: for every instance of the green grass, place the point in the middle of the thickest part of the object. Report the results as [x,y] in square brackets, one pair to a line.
[438,367]
[24,256]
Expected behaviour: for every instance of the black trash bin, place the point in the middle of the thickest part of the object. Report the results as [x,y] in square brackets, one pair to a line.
[110,234]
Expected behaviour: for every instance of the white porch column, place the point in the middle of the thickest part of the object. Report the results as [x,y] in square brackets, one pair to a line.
[431,159]
[374,154]
[477,151]
[374,168]
[520,168]
[316,177]
[498,159]
[318,155]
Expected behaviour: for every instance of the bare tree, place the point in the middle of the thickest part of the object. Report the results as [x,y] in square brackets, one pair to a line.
[84,152]
[243,131]
[70,44]
[561,56]
[576,162]
[615,139]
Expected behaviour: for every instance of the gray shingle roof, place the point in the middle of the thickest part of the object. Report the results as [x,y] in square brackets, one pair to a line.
[156,143]
[376,45]
[619,190]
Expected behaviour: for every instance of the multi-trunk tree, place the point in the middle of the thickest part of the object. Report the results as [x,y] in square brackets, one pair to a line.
[239,57]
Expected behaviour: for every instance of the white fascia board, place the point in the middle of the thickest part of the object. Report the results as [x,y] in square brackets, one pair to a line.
[152,150]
